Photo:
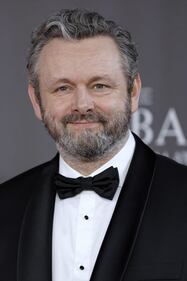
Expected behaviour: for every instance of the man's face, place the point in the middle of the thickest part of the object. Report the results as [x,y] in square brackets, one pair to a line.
[83,95]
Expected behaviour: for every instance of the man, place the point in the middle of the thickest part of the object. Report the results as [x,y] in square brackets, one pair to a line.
[116,211]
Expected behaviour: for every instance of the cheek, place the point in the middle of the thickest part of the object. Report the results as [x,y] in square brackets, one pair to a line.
[58,109]
[111,106]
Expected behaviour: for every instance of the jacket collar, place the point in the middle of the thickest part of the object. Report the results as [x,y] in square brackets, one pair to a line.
[120,239]
[34,252]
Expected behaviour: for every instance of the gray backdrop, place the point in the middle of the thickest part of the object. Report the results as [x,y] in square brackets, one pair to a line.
[158,27]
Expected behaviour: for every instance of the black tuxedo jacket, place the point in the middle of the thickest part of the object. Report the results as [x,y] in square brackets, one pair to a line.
[146,238]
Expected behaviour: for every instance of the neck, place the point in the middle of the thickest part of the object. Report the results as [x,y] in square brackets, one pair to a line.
[87,167]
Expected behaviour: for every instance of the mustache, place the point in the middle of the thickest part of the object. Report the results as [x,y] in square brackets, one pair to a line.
[90,116]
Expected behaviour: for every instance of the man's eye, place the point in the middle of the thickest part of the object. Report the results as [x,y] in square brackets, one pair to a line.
[100,86]
[63,88]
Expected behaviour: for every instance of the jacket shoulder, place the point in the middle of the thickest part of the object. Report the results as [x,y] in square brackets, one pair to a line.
[168,165]
[27,177]
[169,181]
[163,163]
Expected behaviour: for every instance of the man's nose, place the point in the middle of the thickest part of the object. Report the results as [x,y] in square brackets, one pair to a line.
[83,101]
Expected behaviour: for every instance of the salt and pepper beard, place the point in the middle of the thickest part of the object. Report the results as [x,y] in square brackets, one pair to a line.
[89,144]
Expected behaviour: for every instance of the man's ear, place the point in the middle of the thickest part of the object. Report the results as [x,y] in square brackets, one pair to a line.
[135,93]
[34,101]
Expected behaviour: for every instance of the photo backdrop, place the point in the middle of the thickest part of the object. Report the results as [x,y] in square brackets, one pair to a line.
[159,29]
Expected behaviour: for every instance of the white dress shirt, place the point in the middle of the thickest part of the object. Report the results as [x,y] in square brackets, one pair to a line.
[80,222]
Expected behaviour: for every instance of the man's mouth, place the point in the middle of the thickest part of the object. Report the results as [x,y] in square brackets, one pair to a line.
[84,123]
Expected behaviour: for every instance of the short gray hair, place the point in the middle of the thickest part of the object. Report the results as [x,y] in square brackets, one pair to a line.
[79,24]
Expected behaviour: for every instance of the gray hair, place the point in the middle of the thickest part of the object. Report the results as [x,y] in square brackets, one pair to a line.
[79,24]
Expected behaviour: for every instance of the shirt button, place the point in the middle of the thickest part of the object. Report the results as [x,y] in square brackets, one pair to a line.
[81,267]
[86,217]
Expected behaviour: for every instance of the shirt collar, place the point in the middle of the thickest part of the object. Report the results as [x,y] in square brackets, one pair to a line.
[121,161]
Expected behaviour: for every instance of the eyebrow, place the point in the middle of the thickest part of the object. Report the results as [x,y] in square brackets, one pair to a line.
[60,80]
[55,81]
[103,77]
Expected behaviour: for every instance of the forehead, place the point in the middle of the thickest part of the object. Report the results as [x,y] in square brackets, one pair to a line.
[98,54]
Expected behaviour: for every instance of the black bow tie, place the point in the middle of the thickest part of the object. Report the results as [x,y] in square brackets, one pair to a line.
[104,184]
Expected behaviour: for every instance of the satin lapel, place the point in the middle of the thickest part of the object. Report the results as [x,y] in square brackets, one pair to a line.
[121,235]
[34,254]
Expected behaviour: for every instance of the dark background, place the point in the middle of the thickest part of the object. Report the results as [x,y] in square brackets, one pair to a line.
[159,27]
